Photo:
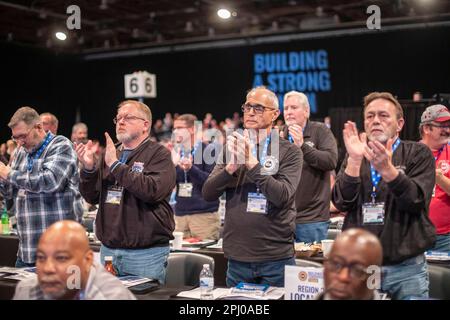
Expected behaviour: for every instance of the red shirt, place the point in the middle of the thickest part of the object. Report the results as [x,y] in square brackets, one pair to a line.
[440,203]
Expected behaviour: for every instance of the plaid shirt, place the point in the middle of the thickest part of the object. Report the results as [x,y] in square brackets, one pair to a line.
[44,195]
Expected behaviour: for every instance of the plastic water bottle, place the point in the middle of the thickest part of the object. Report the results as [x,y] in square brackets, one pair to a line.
[5,222]
[206,283]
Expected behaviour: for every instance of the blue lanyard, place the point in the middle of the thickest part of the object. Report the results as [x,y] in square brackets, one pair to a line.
[264,154]
[291,140]
[194,150]
[376,177]
[38,153]
[439,153]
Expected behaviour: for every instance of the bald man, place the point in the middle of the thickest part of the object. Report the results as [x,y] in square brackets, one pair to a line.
[49,122]
[66,270]
[346,272]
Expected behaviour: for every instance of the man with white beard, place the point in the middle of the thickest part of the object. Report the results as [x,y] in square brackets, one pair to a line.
[132,186]
[385,186]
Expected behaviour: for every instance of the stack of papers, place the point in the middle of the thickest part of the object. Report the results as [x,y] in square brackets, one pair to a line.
[272,293]
[17,273]
[437,256]
[130,281]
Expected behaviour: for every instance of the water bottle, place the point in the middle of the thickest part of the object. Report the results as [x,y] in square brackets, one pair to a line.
[206,283]
[5,222]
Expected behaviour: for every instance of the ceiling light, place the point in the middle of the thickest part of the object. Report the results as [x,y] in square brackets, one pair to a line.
[224,13]
[61,36]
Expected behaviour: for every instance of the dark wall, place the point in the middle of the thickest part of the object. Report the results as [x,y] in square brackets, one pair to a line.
[216,80]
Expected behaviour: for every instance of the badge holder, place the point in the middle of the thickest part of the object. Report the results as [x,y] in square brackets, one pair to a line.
[256,202]
[373,213]
[185,189]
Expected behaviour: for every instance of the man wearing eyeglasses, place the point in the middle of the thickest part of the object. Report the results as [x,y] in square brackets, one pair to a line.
[134,220]
[435,132]
[319,150]
[352,269]
[385,186]
[42,181]
[259,173]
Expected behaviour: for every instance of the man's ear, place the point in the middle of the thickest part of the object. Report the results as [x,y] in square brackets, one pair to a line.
[400,124]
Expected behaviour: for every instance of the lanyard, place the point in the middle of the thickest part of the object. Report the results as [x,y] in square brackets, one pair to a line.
[439,153]
[291,140]
[183,154]
[124,156]
[376,177]
[35,155]
[263,156]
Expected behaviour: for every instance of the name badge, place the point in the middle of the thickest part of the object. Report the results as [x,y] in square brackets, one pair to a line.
[114,195]
[21,193]
[185,190]
[256,203]
[373,213]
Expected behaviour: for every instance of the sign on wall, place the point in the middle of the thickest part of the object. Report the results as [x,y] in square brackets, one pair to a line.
[140,84]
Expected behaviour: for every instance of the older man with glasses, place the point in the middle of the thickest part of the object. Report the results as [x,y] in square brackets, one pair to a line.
[435,132]
[132,185]
[259,173]
[42,181]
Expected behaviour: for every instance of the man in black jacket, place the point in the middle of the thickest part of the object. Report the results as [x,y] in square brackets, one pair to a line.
[258,236]
[134,220]
[312,198]
[385,185]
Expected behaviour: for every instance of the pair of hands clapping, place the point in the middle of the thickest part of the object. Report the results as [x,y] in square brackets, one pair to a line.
[240,149]
[85,153]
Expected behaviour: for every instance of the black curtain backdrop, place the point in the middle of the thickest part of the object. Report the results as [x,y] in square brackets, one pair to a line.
[216,80]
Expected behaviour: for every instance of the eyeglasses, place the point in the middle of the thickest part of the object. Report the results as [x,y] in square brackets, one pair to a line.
[440,126]
[356,270]
[259,109]
[127,118]
[21,137]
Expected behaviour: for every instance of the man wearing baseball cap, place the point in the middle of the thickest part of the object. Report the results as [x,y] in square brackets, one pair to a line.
[435,132]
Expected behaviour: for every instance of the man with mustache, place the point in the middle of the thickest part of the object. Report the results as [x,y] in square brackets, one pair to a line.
[312,198]
[259,175]
[132,186]
[435,132]
[66,269]
[355,256]
[385,186]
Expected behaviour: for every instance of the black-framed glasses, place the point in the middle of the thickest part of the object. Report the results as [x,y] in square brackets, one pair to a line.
[127,118]
[447,126]
[22,137]
[356,270]
[258,108]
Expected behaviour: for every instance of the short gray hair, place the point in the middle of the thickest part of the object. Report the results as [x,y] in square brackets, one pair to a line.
[142,107]
[53,118]
[270,93]
[301,97]
[79,125]
[26,114]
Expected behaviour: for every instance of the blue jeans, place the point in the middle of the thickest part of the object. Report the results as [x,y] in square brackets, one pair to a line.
[406,280]
[270,272]
[310,232]
[149,263]
[442,243]
[21,264]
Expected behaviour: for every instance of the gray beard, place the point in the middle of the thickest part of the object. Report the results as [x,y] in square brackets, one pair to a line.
[126,137]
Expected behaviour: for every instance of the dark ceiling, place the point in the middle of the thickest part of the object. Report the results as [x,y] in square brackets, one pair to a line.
[118,24]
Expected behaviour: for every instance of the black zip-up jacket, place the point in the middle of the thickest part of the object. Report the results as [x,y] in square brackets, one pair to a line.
[144,218]
[312,198]
[407,230]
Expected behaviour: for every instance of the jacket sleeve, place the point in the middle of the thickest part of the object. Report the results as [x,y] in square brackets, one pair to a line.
[216,183]
[280,189]
[51,173]
[346,190]
[324,156]
[413,189]
[90,185]
[154,183]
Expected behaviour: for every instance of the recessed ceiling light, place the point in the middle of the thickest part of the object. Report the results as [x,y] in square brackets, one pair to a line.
[60,36]
[224,13]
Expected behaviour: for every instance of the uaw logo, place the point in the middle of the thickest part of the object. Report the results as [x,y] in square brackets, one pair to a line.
[310,143]
[302,276]
[270,166]
[445,166]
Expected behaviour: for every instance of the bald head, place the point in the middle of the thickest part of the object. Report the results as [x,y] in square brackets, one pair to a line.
[66,231]
[362,243]
[355,255]
[63,260]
